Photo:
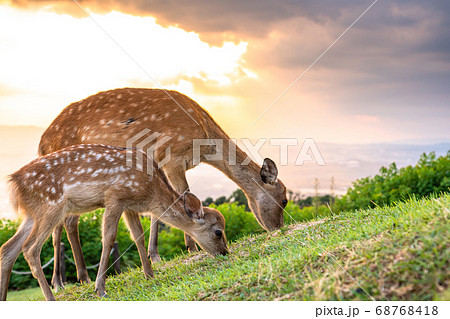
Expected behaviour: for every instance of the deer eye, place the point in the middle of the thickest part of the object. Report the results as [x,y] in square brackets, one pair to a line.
[284,203]
[218,233]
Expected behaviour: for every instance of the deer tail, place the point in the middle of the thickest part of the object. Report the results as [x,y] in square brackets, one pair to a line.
[14,193]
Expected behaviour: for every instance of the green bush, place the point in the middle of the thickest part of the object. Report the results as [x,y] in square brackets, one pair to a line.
[90,237]
[431,175]
[296,214]
[238,222]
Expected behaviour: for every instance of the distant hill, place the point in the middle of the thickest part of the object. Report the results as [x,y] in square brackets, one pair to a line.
[346,162]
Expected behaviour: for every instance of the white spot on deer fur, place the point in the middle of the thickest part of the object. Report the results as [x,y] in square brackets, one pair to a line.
[71,179]
[53,190]
[89,170]
[180,138]
[98,171]
[166,115]
[61,160]
[47,166]
[83,156]
[119,96]
[153,117]
[128,184]
[132,176]
[102,121]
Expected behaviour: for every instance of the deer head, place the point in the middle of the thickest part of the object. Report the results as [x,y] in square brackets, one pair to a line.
[269,197]
[208,227]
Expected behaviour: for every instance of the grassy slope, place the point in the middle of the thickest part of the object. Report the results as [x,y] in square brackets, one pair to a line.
[394,253]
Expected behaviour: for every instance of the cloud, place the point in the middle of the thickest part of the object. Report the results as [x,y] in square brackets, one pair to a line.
[393,65]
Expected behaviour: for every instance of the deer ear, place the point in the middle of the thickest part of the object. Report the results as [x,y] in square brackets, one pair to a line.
[193,206]
[269,171]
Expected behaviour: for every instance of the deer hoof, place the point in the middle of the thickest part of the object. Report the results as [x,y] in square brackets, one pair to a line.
[101,294]
[155,259]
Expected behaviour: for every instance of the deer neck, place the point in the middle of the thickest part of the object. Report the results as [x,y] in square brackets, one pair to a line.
[237,166]
[174,215]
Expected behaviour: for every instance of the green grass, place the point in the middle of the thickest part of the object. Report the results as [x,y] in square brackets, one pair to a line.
[25,294]
[391,253]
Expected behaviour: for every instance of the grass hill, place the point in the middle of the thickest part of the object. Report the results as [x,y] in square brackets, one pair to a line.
[392,253]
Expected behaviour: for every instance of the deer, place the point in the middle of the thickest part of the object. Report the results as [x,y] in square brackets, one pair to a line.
[80,178]
[114,117]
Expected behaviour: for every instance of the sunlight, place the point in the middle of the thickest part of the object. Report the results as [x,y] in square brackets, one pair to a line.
[46,54]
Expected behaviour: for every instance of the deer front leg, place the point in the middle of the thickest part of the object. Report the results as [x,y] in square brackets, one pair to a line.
[110,223]
[137,233]
[190,243]
[71,225]
[153,241]
[177,177]
[57,282]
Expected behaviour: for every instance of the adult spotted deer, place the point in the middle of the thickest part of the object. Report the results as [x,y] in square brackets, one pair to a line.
[114,117]
[81,178]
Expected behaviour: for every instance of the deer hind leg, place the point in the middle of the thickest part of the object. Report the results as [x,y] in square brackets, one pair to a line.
[109,232]
[32,250]
[9,253]
[71,225]
[137,233]
[57,282]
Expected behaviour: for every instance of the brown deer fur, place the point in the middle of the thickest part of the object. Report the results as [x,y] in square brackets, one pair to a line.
[82,178]
[113,117]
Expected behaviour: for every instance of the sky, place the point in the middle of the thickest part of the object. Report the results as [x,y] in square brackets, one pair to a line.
[290,69]
[385,80]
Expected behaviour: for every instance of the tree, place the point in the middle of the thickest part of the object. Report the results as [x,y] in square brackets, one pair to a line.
[238,197]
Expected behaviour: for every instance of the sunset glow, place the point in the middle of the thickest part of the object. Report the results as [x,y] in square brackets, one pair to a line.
[57,59]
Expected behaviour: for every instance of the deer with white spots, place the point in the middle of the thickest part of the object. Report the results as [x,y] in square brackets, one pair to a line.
[114,117]
[81,178]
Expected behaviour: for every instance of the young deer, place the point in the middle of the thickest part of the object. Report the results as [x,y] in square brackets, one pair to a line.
[84,177]
[114,117]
